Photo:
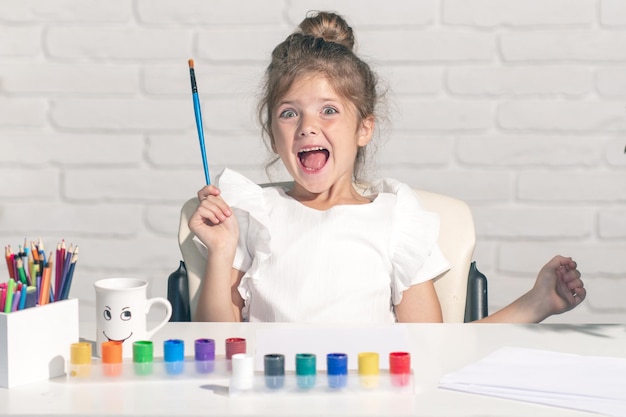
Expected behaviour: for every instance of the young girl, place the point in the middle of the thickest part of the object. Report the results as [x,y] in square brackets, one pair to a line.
[326,250]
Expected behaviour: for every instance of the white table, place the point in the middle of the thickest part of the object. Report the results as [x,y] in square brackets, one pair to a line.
[436,349]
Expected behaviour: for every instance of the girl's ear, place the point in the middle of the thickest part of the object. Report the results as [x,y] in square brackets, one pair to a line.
[366,131]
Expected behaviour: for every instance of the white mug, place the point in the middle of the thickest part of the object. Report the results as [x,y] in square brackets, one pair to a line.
[122,307]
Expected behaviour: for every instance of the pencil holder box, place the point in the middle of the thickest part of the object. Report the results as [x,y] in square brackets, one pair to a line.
[34,343]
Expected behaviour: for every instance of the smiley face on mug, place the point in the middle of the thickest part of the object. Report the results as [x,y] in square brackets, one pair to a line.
[122,307]
[122,315]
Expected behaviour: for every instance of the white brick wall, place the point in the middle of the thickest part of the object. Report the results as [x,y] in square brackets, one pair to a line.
[516,106]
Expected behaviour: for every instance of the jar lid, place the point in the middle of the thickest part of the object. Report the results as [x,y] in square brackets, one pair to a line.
[274,364]
[174,350]
[368,363]
[306,364]
[80,353]
[242,366]
[235,345]
[143,351]
[204,349]
[399,363]
[111,352]
[337,364]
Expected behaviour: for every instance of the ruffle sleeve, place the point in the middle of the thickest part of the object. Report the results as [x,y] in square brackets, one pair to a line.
[248,203]
[415,254]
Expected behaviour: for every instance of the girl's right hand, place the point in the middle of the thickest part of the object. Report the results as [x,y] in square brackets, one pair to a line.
[213,221]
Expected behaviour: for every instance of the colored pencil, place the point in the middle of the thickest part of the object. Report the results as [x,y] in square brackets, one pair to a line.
[31,296]
[17,296]
[20,271]
[8,303]
[44,293]
[25,255]
[3,297]
[34,270]
[8,255]
[66,267]
[57,270]
[62,271]
[35,277]
[70,274]
[34,251]
[24,293]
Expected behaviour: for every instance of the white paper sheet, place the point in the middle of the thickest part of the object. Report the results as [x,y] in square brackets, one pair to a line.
[587,383]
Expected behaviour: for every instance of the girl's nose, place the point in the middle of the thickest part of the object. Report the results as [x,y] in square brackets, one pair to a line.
[307,127]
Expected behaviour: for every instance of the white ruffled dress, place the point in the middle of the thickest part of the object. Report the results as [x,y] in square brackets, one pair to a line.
[347,264]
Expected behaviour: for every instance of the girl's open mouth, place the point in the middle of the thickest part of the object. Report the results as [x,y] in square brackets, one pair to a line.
[313,159]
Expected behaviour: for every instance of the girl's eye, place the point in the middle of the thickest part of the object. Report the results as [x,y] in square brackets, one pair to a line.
[287,113]
[107,315]
[329,110]
[126,315]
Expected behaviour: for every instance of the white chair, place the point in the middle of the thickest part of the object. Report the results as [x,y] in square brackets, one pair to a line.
[456,240]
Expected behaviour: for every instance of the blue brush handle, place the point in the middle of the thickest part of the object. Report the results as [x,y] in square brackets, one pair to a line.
[198,114]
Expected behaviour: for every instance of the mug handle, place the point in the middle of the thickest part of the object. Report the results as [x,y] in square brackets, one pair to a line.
[168,313]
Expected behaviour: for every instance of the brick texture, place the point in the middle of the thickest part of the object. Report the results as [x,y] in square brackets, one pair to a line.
[515,106]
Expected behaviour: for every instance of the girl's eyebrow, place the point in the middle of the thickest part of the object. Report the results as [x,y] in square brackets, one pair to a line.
[333,100]
[285,102]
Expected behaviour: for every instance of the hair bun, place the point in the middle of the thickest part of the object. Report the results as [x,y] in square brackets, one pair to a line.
[329,26]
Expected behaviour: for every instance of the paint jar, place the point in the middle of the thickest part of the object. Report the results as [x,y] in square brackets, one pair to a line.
[400,368]
[242,378]
[369,369]
[204,354]
[80,359]
[274,369]
[235,345]
[306,369]
[337,370]
[174,356]
[143,357]
[111,358]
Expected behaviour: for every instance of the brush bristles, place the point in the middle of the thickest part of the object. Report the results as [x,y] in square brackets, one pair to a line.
[191,63]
